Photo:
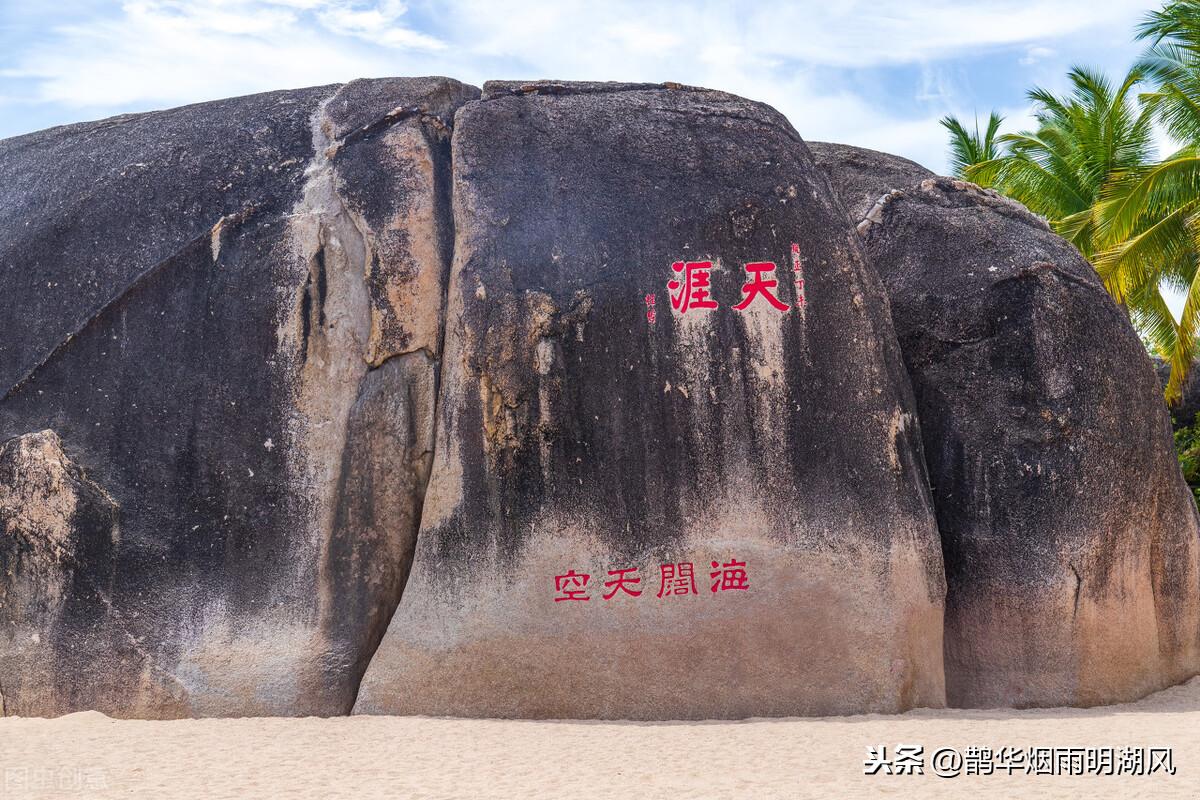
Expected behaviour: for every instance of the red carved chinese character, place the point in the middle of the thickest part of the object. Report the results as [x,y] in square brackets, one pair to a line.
[677,579]
[759,285]
[572,586]
[621,583]
[693,292]
[798,268]
[730,575]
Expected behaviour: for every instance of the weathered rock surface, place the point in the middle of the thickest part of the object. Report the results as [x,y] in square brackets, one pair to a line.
[860,176]
[1070,539]
[574,435]
[58,531]
[228,317]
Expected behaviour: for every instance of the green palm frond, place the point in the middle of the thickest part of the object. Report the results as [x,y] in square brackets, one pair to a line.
[1136,262]
[1178,21]
[968,148]
[1184,352]
[1078,228]
[1172,63]
[1086,168]
[1082,139]
[1131,197]
[1153,319]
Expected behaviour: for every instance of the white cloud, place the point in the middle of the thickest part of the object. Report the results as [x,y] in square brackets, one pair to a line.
[168,53]
[154,53]
[935,86]
[1036,53]
[846,34]
[640,38]
[378,24]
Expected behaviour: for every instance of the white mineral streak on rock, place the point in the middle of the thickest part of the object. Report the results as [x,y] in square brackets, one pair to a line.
[331,363]
[230,657]
[875,215]
[766,328]
[247,666]
[694,343]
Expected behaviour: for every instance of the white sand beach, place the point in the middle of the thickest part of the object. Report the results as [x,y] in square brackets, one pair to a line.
[90,755]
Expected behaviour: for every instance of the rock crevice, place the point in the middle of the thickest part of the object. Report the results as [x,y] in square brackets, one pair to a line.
[258,393]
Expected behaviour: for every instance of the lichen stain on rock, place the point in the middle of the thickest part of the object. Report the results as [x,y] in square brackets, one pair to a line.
[405,291]
[695,345]
[522,345]
[58,531]
[51,514]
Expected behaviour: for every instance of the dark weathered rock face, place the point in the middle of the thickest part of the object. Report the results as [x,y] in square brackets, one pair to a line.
[228,317]
[577,437]
[861,176]
[1070,539]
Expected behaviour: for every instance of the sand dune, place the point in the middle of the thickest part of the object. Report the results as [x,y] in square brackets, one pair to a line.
[90,755]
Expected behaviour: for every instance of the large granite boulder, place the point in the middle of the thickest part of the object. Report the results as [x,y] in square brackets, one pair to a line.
[645,509]
[217,379]
[860,176]
[1070,539]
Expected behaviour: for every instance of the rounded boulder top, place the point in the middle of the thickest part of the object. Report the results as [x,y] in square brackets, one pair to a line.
[677,472]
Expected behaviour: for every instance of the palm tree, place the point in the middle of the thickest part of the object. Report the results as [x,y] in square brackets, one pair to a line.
[1172,63]
[1148,220]
[1081,140]
[967,148]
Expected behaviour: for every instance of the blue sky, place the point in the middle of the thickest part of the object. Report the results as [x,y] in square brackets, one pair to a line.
[877,74]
